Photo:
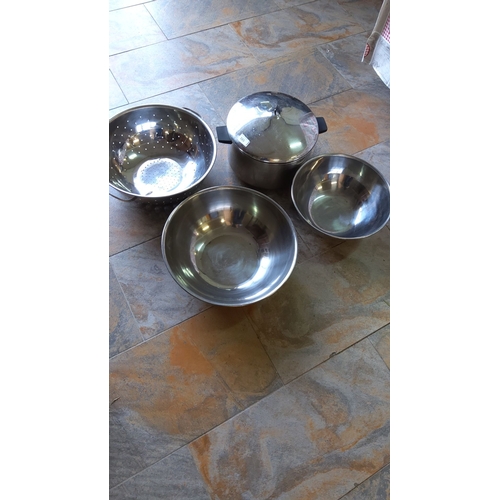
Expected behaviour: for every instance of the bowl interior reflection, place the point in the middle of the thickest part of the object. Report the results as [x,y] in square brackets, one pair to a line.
[229,246]
[341,196]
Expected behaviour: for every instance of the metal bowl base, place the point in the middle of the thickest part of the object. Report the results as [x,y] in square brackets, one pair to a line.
[333,212]
[163,176]
[227,258]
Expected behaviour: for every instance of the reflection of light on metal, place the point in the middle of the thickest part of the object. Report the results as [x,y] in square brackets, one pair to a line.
[295,145]
[135,141]
[321,197]
[131,156]
[262,291]
[145,126]
[359,216]
[222,220]
[187,272]
[205,227]
[264,264]
[263,267]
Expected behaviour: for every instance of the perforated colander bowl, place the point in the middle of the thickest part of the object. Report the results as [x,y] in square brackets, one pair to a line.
[158,153]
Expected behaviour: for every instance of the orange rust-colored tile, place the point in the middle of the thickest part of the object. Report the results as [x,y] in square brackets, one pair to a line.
[226,338]
[356,120]
[187,357]
[170,387]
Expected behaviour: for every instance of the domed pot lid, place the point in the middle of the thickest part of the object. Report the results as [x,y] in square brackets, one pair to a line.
[272,127]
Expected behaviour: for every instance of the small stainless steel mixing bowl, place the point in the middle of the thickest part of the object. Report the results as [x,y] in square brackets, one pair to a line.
[159,153]
[341,196]
[229,246]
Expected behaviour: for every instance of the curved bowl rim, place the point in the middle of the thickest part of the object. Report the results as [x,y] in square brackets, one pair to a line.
[192,186]
[305,166]
[225,188]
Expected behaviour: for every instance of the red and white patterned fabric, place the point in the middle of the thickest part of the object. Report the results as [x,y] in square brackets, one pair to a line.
[378,46]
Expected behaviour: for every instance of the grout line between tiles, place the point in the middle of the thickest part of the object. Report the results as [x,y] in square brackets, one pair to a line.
[283,387]
[363,482]
[162,332]
[121,90]
[374,346]
[229,23]
[134,5]
[257,63]
[249,319]
[129,308]
[139,48]
[336,353]
[134,246]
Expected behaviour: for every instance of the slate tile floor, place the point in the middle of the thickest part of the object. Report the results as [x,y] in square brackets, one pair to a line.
[287,398]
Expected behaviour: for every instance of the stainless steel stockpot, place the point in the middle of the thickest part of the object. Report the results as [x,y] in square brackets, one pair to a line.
[271,135]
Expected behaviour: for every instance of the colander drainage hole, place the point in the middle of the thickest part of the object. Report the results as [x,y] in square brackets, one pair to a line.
[159,175]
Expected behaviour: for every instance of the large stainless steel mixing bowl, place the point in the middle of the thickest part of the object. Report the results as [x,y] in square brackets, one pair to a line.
[229,246]
[341,196]
[159,153]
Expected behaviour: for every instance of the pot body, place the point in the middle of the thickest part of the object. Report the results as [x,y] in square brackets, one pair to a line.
[259,173]
[271,135]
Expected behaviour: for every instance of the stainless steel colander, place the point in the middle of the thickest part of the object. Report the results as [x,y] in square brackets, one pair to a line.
[158,153]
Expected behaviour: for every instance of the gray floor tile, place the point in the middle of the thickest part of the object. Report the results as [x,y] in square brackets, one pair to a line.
[165,393]
[376,487]
[357,120]
[175,477]
[318,437]
[365,12]
[329,302]
[169,65]
[132,223]
[346,56]
[226,338]
[155,299]
[124,456]
[172,18]
[124,332]
[132,28]
[307,76]
[190,97]
[381,342]
[379,157]
[116,96]
[283,32]
[120,4]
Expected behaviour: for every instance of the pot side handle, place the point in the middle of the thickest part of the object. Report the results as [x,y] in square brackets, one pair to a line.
[322,126]
[223,135]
